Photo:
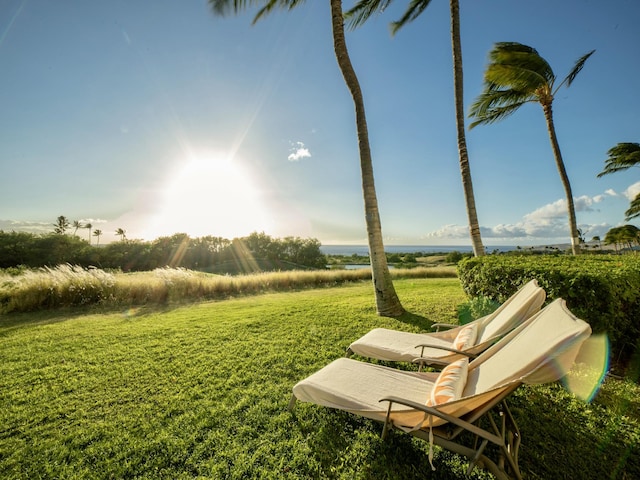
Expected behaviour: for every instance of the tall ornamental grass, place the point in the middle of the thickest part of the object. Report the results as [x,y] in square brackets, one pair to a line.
[70,286]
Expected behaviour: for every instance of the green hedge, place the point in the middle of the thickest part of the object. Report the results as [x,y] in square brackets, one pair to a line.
[604,290]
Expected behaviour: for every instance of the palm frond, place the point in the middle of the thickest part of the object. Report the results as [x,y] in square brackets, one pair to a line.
[492,106]
[363,11]
[511,47]
[507,52]
[634,209]
[223,7]
[576,69]
[519,56]
[513,77]
[621,157]
[270,5]
[265,10]
[415,8]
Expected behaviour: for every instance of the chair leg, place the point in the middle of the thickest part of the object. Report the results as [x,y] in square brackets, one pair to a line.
[474,461]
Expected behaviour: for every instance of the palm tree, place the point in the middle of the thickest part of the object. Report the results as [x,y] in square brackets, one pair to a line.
[634,208]
[62,225]
[76,226]
[97,233]
[623,235]
[121,233]
[387,301]
[360,13]
[622,157]
[89,226]
[516,75]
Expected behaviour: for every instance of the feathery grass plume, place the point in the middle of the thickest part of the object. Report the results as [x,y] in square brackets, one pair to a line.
[69,286]
[62,286]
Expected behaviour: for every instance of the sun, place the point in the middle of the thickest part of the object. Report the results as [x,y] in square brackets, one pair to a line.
[210,195]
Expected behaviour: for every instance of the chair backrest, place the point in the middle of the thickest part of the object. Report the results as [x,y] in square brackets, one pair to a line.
[521,305]
[540,350]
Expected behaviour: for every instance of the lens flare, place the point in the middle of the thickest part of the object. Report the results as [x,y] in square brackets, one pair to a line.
[592,364]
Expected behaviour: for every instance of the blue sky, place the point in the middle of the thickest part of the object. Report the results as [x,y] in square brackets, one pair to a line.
[163,119]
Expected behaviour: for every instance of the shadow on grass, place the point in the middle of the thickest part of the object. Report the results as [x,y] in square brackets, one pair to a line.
[347,446]
[43,317]
[562,438]
[423,323]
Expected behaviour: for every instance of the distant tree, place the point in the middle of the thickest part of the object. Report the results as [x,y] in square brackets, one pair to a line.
[62,225]
[206,251]
[516,75]
[54,249]
[97,233]
[16,248]
[89,226]
[360,13]
[76,225]
[129,256]
[625,235]
[303,252]
[122,234]
[582,236]
[597,239]
[622,157]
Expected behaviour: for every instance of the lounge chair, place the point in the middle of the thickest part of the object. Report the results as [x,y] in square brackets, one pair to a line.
[443,347]
[443,411]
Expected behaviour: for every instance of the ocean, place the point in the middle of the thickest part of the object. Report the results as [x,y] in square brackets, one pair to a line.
[363,250]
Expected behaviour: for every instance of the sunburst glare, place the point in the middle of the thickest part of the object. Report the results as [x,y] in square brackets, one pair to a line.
[210,195]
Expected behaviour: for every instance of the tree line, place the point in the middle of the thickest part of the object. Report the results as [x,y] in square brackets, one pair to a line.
[256,252]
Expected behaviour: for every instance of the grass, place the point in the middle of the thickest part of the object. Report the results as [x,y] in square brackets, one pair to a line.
[201,391]
[68,285]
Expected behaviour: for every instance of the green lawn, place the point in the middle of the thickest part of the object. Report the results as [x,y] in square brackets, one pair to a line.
[202,391]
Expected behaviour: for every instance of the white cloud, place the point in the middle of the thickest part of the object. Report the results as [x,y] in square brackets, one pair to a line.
[611,192]
[545,224]
[450,231]
[21,226]
[298,151]
[39,227]
[633,191]
[546,214]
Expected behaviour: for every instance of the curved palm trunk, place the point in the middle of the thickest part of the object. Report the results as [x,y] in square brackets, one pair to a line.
[387,301]
[465,171]
[573,226]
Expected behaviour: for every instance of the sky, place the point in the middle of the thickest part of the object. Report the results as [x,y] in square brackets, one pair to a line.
[163,118]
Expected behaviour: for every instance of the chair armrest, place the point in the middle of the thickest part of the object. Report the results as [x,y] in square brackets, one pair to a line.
[446,326]
[448,349]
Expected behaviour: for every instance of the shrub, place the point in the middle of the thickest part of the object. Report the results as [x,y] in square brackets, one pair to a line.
[475,308]
[604,290]
[455,256]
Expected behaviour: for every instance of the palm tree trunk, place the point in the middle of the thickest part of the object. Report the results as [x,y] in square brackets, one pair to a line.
[387,301]
[465,171]
[573,226]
